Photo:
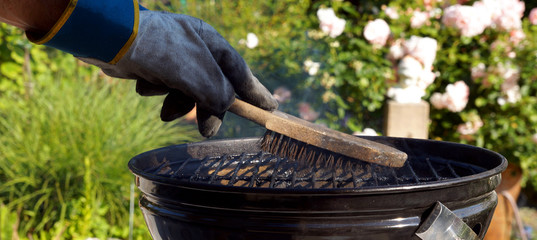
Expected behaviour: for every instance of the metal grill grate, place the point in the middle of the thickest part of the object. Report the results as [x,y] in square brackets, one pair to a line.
[263,170]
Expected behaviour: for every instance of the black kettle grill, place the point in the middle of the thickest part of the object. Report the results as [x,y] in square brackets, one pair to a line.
[230,189]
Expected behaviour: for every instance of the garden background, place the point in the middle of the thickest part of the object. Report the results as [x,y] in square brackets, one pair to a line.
[67,131]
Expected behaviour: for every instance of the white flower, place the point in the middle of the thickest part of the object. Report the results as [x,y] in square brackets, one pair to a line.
[412,73]
[251,40]
[311,67]
[438,100]
[469,20]
[501,101]
[366,132]
[509,88]
[330,23]
[479,71]
[512,94]
[411,94]
[396,50]
[409,71]
[457,95]
[413,80]
[391,13]
[377,32]
[418,19]
[335,44]
[470,127]
[422,48]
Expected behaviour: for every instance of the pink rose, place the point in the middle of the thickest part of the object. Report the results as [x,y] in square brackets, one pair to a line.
[422,48]
[470,128]
[454,99]
[457,95]
[377,32]
[511,95]
[505,14]
[479,71]
[306,112]
[396,50]
[418,19]
[438,100]
[282,94]
[512,12]
[533,16]
[484,12]
[469,20]
[509,88]
[516,36]
[427,78]
[391,13]
[330,23]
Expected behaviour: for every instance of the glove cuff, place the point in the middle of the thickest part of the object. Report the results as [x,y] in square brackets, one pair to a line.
[100,29]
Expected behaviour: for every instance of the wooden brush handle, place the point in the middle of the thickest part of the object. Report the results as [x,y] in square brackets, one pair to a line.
[250,112]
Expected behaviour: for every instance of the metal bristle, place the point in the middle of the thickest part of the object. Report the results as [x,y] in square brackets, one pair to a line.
[305,154]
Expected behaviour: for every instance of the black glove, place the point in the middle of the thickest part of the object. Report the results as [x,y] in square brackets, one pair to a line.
[190,61]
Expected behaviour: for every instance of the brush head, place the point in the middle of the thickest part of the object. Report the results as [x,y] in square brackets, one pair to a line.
[305,154]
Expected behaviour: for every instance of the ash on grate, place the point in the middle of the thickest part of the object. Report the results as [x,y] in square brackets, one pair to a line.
[264,170]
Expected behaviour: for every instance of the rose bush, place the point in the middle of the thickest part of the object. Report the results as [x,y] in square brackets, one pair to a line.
[474,61]
[324,65]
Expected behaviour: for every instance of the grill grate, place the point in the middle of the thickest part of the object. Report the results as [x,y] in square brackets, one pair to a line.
[263,170]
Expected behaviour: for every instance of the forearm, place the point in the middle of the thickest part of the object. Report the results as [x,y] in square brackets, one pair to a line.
[36,16]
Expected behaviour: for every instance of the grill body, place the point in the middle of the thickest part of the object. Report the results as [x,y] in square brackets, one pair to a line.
[227,189]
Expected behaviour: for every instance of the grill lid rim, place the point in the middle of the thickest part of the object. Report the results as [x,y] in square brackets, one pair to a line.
[446,183]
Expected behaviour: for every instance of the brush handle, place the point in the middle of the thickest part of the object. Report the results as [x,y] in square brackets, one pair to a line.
[251,112]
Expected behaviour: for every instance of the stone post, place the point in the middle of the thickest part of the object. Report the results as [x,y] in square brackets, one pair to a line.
[410,120]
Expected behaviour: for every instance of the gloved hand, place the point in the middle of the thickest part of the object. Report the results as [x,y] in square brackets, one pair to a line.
[171,54]
[187,59]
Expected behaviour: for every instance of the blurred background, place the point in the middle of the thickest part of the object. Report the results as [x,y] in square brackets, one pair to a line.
[67,130]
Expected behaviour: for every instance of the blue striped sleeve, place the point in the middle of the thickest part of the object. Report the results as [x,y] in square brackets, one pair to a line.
[100,29]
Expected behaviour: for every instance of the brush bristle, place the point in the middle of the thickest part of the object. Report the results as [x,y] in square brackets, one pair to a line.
[305,154]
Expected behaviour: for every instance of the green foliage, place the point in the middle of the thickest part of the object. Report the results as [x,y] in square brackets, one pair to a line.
[350,88]
[355,75]
[13,51]
[64,148]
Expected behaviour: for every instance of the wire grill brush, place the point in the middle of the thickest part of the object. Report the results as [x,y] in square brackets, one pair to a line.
[297,139]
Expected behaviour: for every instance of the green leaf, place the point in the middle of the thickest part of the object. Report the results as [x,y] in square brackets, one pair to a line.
[480,102]
[11,70]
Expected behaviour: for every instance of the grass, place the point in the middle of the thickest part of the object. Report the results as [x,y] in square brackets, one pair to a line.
[64,153]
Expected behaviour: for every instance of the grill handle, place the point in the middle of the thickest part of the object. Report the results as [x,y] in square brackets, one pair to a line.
[444,224]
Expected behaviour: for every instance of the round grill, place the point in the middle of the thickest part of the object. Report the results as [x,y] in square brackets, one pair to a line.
[230,189]
[240,164]
[264,170]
